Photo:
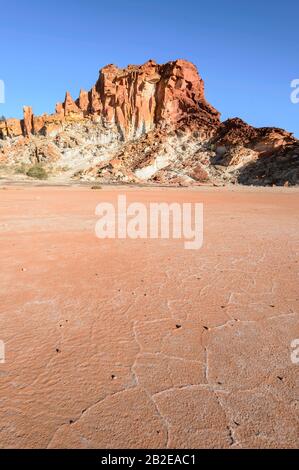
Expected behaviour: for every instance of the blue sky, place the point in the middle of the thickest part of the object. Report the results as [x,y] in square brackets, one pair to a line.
[246,51]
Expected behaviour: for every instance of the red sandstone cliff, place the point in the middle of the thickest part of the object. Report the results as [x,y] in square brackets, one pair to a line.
[149,122]
[135,99]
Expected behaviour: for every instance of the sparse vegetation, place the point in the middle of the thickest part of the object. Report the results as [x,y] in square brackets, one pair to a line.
[59,169]
[37,172]
[96,186]
[21,169]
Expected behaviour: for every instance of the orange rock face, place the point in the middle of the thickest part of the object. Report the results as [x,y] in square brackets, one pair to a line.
[38,123]
[70,105]
[159,126]
[95,104]
[180,94]
[140,97]
[2,129]
[59,109]
[13,127]
[83,101]
[135,99]
[28,120]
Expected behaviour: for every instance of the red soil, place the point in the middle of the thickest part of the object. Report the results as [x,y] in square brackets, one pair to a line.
[123,343]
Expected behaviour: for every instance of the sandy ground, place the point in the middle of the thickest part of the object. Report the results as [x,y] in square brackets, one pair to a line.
[141,343]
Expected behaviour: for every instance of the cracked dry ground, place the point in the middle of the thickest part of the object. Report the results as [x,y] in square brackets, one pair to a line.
[123,343]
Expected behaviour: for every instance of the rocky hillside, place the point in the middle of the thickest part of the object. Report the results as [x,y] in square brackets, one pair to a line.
[148,123]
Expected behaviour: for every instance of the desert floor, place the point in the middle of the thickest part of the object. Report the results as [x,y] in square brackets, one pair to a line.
[142,343]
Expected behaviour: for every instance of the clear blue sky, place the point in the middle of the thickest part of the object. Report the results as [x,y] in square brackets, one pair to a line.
[246,51]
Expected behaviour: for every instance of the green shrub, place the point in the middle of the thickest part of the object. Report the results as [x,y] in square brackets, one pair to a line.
[37,172]
[21,170]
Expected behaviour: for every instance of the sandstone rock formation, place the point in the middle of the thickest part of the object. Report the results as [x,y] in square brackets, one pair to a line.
[28,120]
[11,128]
[154,121]
[135,99]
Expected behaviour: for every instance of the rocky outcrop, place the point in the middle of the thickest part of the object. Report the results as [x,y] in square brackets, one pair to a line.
[280,168]
[149,123]
[69,106]
[28,120]
[83,101]
[11,128]
[235,139]
[237,132]
[135,100]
